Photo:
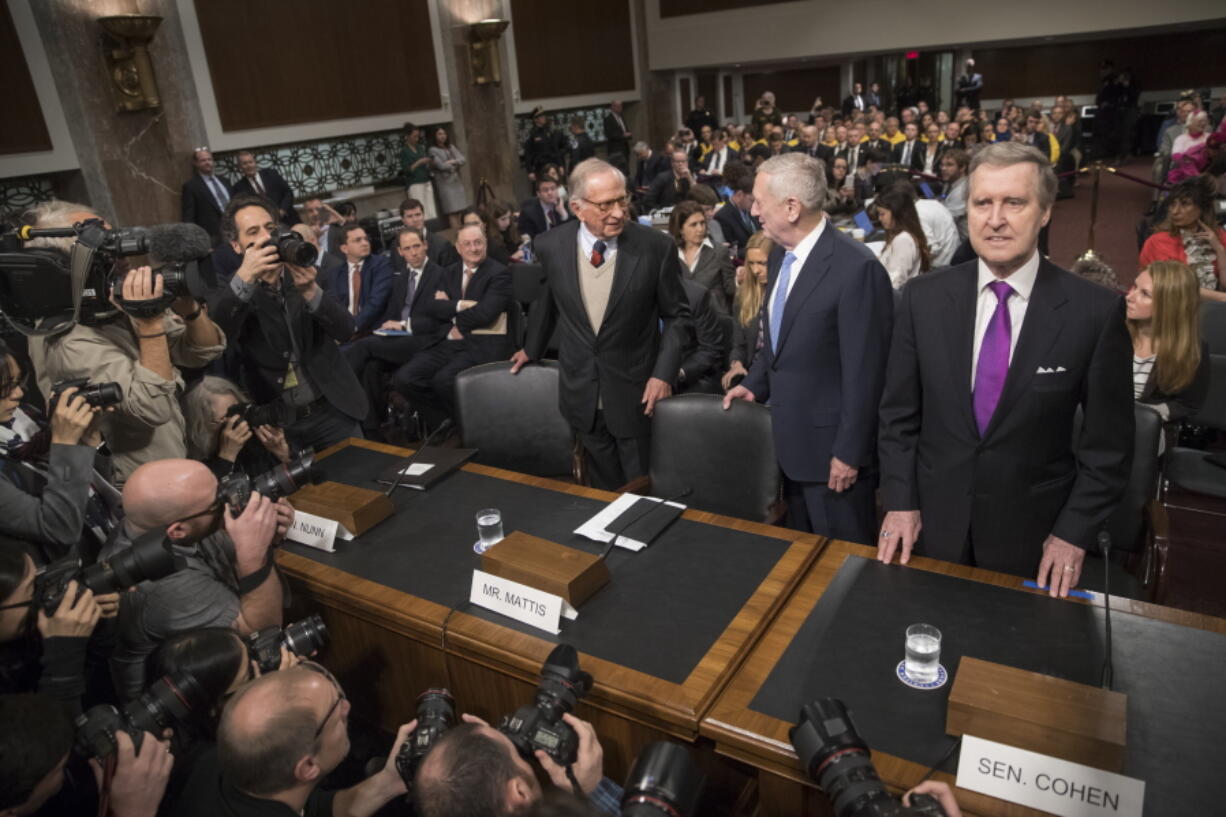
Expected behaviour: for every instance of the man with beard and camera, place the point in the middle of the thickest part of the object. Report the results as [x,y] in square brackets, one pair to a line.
[226,576]
[287,331]
[141,354]
[279,737]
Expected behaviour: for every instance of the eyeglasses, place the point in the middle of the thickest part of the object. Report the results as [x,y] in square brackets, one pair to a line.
[213,508]
[340,693]
[606,207]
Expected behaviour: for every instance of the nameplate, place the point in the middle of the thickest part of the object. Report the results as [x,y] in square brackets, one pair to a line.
[533,607]
[1046,783]
[316,531]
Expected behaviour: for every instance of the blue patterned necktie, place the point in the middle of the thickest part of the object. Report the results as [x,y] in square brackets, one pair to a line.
[781,297]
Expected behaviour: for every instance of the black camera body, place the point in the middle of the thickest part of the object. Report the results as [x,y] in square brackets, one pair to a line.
[149,559]
[235,489]
[275,413]
[837,759]
[163,705]
[539,725]
[435,715]
[291,248]
[664,782]
[302,638]
[98,395]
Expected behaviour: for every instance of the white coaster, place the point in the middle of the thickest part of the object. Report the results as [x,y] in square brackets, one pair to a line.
[941,679]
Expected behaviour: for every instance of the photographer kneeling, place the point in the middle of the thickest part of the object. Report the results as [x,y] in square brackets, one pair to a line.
[226,431]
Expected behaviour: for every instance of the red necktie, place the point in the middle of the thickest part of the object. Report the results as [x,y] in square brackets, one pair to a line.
[598,253]
[355,281]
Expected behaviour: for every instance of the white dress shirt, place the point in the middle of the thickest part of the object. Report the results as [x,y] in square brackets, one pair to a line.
[353,302]
[587,241]
[1022,282]
[801,252]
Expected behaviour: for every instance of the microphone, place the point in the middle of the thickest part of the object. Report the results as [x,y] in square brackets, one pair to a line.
[178,242]
[660,503]
[404,467]
[1104,544]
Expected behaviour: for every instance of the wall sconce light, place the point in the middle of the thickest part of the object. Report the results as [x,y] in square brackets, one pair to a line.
[127,60]
[483,56]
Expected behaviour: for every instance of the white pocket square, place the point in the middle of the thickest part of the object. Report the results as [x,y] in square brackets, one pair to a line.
[1043,371]
[1050,370]
[1061,369]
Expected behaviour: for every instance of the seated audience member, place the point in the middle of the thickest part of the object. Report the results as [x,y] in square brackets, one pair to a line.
[542,212]
[953,173]
[411,309]
[226,442]
[865,178]
[364,284]
[474,297]
[279,737]
[650,164]
[328,264]
[671,186]
[952,133]
[906,253]
[475,217]
[930,157]
[474,769]
[969,137]
[321,217]
[1190,153]
[500,224]
[810,144]
[704,196]
[734,218]
[719,155]
[266,182]
[140,354]
[48,488]
[910,151]
[1004,130]
[874,140]
[841,201]
[1170,363]
[701,261]
[1190,235]
[438,249]
[940,230]
[226,579]
[987,135]
[286,332]
[747,331]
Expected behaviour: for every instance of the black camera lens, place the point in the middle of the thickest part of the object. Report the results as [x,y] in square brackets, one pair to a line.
[306,637]
[285,479]
[99,395]
[269,414]
[435,715]
[292,249]
[540,725]
[149,559]
[664,781]
[164,705]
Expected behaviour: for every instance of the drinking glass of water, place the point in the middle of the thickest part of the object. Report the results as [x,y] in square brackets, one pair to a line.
[489,529]
[923,653]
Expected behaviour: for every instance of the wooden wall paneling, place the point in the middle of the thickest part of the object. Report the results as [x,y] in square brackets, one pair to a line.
[24,129]
[572,49]
[795,89]
[272,66]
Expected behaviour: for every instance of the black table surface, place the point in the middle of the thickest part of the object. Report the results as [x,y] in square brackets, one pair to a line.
[852,642]
[661,612]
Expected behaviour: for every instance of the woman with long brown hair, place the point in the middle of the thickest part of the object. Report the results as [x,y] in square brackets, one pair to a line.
[747,334]
[1170,363]
[906,252]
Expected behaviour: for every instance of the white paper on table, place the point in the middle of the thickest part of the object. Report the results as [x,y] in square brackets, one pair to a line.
[416,469]
[596,528]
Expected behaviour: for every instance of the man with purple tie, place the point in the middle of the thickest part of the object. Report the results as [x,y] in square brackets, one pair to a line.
[989,363]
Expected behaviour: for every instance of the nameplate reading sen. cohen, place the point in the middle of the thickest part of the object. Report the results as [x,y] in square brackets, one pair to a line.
[1046,783]
[519,601]
[317,532]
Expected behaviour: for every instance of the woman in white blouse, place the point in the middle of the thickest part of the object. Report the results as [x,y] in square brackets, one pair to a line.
[906,252]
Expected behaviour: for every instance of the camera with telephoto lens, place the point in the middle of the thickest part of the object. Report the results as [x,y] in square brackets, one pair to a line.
[302,638]
[664,782]
[836,758]
[149,559]
[98,395]
[435,715]
[291,248]
[539,725]
[235,488]
[164,705]
[269,414]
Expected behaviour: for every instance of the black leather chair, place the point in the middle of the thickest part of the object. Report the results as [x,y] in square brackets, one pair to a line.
[1213,326]
[513,420]
[1127,525]
[727,458]
[1189,468]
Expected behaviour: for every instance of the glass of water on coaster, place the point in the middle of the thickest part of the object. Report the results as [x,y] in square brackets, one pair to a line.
[489,529]
[921,666]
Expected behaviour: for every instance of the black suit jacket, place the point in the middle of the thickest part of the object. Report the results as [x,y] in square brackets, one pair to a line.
[664,190]
[824,382]
[1024,478]
[277,190]
[490,287]
[735,231]
[849,103]
[648,170]
[426,327]
[532,218]
[916,161]
[373,297]
[819,151]
[198,206]
[615,139]
[704,344]
[614,364]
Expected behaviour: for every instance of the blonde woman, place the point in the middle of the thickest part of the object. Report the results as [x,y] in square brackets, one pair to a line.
[747,334]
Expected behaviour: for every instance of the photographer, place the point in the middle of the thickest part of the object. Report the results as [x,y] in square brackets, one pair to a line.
[53,481]
[224,441]
[227,579]
[287,332]
[140,354]
[475,771]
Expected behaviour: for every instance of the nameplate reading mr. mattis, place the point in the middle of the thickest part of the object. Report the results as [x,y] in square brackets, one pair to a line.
[519,601]
[1046,783]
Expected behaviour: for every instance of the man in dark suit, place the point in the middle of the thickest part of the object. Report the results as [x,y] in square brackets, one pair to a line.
[875,139]
[366,282]
[910,151]
[650,165]
[473,299]
[1035,137]
[855,101]
[621,317]
[409,311]
[672,185]
[580,145]
[969,86]
[438,249]
[719,155]
[542,212]
[268,183]
[990,362]
[735,218]
[828,309]
[204,196]
[810,145]
[617,135]
[286,333]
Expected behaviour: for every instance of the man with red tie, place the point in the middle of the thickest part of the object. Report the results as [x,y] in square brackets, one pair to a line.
[367,280]
[989,363]
[543,212]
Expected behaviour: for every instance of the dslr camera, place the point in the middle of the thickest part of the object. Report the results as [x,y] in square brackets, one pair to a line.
[235,489]
[435,715]
[275,413]
[98,395]
[539,725]
[302,638]
[665,782]
[836,758]
[291,248]
[163,706]
[149,559]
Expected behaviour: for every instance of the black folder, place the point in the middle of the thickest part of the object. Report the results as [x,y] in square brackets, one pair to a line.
[644,520]
[444,460]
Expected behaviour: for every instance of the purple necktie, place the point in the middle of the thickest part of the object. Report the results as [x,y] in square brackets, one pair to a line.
[993,357]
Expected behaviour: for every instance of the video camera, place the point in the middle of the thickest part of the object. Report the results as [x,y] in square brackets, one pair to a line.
[664,782]
[235,488]
[166,704]
[539,725]
[149,559]
[302,638]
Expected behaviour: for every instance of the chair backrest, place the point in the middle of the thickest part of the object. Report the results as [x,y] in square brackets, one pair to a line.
[1213,326]
[727,458]
[1213,412]
[1125,523]
[513,420]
